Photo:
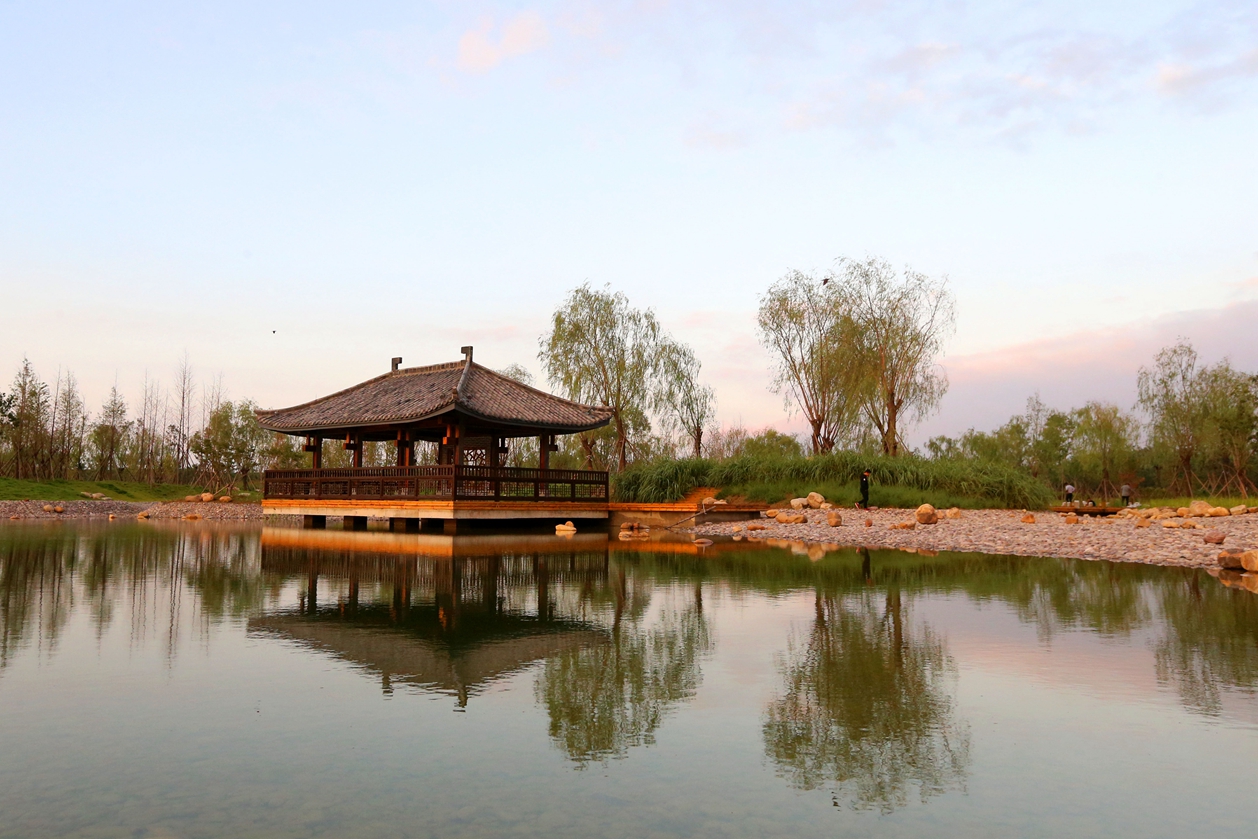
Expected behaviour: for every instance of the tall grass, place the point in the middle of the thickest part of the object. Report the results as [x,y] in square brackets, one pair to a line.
[982,483]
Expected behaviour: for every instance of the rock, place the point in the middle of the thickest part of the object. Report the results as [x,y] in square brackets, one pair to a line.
[86,494]
[792,518]
[834,518]
[772,514]
[1143,523]
[1251,509]
[799,503]
[815,500]
[869,522]
[225,499]
[953,513]
[752,527]
[112,517]
[207,496]
[1239,510]
[58,509]
[1071,518]
[47,508]
[710,501]
[98,495]
[1170,524]
[1200,508]
[628,525]
[143,514]
[926,515]
[826,505]
[192,517]
[904,525]
[1249,561]
[1232,560]
[1183,512]
[1028,519]
[1218,512]
[1214,537]
[192,498]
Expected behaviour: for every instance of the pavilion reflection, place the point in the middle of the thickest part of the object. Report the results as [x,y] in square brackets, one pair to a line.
[449,614]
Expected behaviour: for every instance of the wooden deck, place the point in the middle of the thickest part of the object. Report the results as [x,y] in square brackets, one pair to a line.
[1088,511]
[472,493]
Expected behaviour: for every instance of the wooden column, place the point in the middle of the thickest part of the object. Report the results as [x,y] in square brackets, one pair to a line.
[314,445]
[405,449]
[543,451]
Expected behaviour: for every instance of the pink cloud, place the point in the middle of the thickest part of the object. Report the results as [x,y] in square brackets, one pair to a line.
[479,52]
[1102,364]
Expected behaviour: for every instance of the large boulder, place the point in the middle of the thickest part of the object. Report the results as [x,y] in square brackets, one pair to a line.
[1218,512]
[1200,508]
[1249,561]
[926,514]
[815,500]
[1235,560]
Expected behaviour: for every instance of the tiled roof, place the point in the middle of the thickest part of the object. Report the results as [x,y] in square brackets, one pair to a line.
[417,393]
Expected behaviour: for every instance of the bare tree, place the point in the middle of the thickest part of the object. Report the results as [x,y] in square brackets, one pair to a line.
[899,325]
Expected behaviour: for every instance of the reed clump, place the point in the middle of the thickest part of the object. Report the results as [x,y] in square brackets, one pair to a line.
[897,481]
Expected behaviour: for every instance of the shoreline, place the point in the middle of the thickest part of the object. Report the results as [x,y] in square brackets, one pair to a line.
[1115,539]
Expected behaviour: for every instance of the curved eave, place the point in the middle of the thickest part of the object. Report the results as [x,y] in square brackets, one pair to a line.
[553,428]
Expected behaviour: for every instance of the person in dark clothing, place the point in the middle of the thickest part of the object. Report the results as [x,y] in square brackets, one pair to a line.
[1126,493]
[864,505]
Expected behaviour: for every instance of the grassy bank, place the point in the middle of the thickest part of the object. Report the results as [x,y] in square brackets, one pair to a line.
[896,481]
[12,489]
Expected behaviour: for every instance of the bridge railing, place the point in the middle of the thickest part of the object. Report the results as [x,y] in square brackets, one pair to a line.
[437,483]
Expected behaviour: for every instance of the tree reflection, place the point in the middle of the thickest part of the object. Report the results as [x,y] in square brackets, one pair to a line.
[867,706]
[603,700]
[1210,641]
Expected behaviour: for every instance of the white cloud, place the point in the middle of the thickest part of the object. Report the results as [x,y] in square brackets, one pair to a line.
[480,52]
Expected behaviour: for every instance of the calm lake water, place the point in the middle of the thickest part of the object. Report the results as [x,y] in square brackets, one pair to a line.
[200,681]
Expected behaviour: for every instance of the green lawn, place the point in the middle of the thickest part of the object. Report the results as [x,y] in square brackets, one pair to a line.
[15,490]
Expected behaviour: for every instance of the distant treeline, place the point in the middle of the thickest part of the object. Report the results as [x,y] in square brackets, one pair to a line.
[184,433]
[1192,431]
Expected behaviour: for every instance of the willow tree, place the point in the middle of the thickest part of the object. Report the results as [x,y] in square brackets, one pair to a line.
[899,324]
[602,350]
[1171,393]
[802,322]
[1104,442]
[686,404]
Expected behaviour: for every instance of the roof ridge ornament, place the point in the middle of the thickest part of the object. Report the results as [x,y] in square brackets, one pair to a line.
[397,362]
[467,368]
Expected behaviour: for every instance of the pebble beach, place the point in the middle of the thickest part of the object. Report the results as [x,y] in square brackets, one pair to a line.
[1113,538]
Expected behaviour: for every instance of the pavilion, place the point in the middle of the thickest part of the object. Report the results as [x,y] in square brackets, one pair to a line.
[469,412]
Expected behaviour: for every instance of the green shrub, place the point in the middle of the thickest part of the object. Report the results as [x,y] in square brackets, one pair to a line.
[895,480]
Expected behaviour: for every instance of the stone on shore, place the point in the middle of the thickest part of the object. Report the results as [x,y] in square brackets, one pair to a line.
[953,513]
[752,527]
[1231,560]
[799,503]
[792,518]
[1214,537]
[926,515]
[834,518]
[1071,518]
[1197,509]
[1239,510]
[1143,522]
[869,522]
[1218,512]
[47,508]
[1028,519]
[771,513]
[207,496]
[904,525]
[815,500]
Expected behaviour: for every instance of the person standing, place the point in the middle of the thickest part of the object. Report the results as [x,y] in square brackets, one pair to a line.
[1070,494]
[864,505]
[1126,493]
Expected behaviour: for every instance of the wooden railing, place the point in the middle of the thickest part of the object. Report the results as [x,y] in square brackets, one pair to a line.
[437,483]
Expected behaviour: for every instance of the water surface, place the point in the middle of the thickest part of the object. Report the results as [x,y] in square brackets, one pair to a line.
[201,681]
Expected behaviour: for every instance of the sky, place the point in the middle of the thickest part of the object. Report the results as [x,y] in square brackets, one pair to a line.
[293,193]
